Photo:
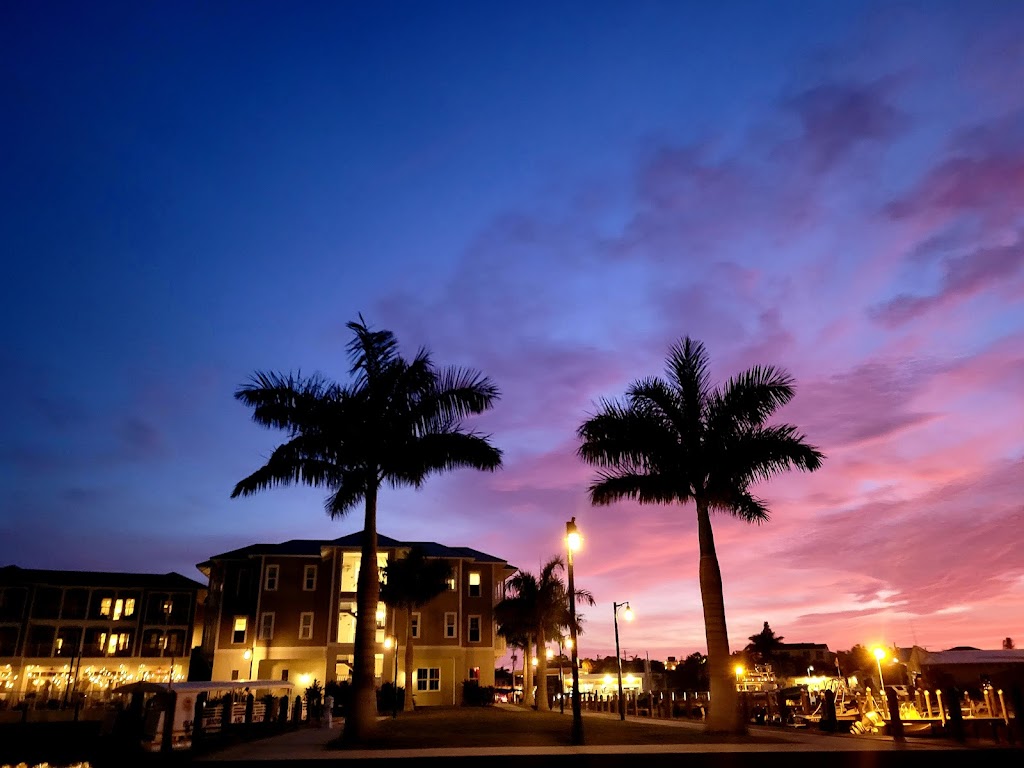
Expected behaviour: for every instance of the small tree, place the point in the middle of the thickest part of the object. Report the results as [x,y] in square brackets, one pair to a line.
[764,644]
[1008,644]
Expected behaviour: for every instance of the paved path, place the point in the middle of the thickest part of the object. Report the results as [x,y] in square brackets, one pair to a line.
[311,744]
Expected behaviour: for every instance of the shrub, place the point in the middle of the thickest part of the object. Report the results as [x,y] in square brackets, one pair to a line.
[386,698]
[475,695]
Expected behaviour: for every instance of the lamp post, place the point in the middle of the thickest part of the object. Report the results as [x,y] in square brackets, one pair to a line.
[392,642]
[879,655]
[248,657]
[628,616]
[572,543]
[561,676]
[168,607]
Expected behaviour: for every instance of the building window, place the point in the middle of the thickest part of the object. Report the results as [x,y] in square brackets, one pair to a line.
[428,679]
[309,578]
[451,628]
[474,674]
[416,624]
[234,674]
[306,626]
[118,608]
[266,626]
[238,634]
[129,607]
[105,605]
[474,584]
[474,629]
[451,583]
[284,675]
[270,581]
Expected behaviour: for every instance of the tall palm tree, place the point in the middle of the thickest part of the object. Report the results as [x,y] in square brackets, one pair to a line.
[397,422]
[677,440]
[538,611]
[412,582]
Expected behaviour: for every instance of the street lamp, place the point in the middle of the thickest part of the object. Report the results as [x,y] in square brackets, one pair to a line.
[392,642]
[879,655]
[628,616]
[248,657]
[572,544]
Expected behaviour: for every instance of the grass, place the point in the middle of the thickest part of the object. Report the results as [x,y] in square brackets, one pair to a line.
[504,727]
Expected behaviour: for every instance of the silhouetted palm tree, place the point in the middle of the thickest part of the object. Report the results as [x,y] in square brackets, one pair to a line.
[764,644]
[678,440]
[412,582]
[397,422]
[539,609]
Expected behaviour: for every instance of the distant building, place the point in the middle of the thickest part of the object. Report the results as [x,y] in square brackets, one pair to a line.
[965,667]
[287,612]
[806,654]
[64,633]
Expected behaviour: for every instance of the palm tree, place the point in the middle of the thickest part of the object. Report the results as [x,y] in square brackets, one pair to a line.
[764,644]
[678,440]
[410,583]
[397,422]
[538,611]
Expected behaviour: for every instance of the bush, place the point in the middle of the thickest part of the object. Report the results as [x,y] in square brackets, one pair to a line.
[386,698]
[341,692]
[475,695]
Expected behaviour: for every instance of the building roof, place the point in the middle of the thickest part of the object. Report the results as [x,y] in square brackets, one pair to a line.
[804,647]
[973,656]
[12,575]
[313,548]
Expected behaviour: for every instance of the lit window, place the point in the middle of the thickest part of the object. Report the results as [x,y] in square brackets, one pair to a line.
[60,643]
[270,582]
[474,629]
[451,583]
[112,645]
[450,625]
[309,578]
[105,605]
[305,626]
[103,641]
[129,606]
[382,615]
[474,584]
[118,607]
[474,674]
[241,623]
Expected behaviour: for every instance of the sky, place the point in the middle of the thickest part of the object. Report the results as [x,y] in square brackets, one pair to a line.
[551,193]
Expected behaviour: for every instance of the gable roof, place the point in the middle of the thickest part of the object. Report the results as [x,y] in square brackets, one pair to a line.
[12,575]
[314,547]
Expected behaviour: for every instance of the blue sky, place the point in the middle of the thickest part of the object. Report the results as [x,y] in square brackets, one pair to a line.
[553,193]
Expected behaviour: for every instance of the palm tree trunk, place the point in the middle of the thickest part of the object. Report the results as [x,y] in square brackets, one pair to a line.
[724,716]
[361,719]
[409,660]
[542,673]
[527,675]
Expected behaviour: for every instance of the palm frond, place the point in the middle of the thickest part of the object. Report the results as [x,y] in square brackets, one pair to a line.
[290,463]
[458,393]
[285,401]
[761,452]
[647,489]
[428,454]
[624,437]
[741,504]
[688,372]
[370,351]
[751,397]
[349,489]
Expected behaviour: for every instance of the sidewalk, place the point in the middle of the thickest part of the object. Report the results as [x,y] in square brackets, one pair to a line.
[311,744]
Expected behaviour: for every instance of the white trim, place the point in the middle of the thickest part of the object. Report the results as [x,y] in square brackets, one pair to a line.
[417,623]
[234,625]
[276,571]
[470,584]
[312,619]
[262,634]
[305,577]
[454,624]
[479,628]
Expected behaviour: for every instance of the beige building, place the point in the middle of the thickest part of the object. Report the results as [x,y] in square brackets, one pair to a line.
[287,612]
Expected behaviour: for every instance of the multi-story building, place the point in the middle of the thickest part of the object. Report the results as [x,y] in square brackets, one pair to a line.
[287,612]
[64,632]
